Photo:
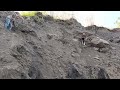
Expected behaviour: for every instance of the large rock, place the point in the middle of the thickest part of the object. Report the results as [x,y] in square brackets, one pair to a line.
[99,43]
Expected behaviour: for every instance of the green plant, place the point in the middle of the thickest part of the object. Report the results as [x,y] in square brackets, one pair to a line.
[118,23]
[29,13]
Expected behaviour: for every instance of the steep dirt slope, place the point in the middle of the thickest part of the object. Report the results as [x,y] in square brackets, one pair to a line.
[41,47]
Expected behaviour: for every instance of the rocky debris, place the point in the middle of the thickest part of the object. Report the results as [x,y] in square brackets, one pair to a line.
[115,30]
[42,47]
[96,73]
[74,73]
[101,32]
[93,27]
[86,72]
[12,74]
[115,40]
[95,48]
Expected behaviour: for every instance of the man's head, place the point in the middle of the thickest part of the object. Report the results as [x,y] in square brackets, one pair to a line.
[17,13]
[83,33]
[13,16]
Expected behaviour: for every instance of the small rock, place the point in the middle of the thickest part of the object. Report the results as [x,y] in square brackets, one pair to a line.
[49,36]
[97,57]
[75,40]
[89,55]
[74,54]
[96,48]
[104,50]
[113,48]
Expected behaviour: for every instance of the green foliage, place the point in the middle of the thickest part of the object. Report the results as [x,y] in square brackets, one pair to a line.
[29,13]
[118,22]
[32,13]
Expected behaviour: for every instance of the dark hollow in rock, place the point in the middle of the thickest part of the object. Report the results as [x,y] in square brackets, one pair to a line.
[29,32]
[49,36]
[73,73]
[102,74]
[34,73]
[22,50]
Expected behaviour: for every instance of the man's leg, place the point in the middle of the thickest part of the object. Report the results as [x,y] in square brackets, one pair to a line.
[10,26]
[7,24]
[83,41]
[13,23]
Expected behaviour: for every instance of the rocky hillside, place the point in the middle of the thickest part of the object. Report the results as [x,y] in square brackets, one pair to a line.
[41,47]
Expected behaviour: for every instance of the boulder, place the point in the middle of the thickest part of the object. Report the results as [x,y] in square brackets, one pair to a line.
[99,43]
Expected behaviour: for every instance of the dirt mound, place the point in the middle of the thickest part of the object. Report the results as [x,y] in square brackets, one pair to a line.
[41,47]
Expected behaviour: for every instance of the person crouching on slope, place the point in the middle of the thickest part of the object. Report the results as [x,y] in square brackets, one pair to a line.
[9,22]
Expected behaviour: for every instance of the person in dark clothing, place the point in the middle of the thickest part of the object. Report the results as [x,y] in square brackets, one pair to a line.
[83,38]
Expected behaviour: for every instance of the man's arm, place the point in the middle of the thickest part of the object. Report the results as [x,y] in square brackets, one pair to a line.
[13,21]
